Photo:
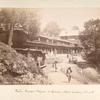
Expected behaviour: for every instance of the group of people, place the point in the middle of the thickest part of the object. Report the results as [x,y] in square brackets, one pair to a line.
[71,58]
[41,64]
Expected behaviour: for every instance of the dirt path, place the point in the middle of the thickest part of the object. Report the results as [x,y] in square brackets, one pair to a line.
[79,76]
[58,78]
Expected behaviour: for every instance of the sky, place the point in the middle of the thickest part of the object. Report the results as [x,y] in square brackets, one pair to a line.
[68,17]
[66,13]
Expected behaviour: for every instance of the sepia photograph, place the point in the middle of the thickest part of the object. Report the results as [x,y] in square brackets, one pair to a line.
[49,46]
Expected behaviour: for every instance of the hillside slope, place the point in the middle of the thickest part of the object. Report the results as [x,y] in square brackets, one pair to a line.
[18,69]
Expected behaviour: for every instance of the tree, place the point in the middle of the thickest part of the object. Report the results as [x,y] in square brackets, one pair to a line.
[27,18]
[52,29]
[90,39]
[8,18]
[75,28]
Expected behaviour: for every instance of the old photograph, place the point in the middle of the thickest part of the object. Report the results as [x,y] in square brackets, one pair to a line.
[49,46]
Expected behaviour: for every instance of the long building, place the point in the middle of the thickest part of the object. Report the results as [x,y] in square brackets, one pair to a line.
[42,43]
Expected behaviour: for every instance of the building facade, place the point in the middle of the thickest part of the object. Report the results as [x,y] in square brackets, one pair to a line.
[45,44]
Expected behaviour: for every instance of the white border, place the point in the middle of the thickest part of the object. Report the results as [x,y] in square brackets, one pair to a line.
[88,92]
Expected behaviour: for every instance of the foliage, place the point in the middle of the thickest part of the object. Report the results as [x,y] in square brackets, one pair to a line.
[26,19]
[52,29]
[90,39]
[16,68]
[75,28]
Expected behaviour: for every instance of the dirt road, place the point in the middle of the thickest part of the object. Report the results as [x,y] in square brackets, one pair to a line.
[79,76]
[60,78]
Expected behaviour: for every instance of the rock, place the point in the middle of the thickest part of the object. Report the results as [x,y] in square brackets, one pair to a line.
[16,68]
[2,68]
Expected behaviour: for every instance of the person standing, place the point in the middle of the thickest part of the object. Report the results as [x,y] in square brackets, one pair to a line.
[68,74]
[55,65]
